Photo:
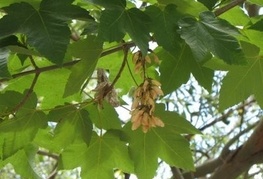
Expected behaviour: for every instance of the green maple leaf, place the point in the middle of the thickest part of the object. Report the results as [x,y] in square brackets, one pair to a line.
[176,70]
[115,23]
[34,3]
[211,34]
[25,125]
[164,26]
[165,143]
[8,101]
[208,3]
[105,118]
[98,160]
[258,2]
[193,8]
[241,82]
[72,124]
[46,28]
[111,27]
[113,4]
[23,162]
[89,51]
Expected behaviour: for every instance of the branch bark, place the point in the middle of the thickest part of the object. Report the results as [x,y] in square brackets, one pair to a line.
[227,7]
[67,64]
[249,154]
[211,165]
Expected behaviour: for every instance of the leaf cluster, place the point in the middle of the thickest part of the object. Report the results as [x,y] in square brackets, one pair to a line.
[49,53]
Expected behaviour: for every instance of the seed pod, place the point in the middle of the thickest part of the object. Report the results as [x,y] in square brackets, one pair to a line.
[158,122]
[155,82]
[136,57]
[135,103]
[145,120]
[145,85]
[136,114]
[147,59]
[136,124]
[157,90]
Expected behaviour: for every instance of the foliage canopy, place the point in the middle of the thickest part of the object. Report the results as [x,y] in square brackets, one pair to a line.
[65,64]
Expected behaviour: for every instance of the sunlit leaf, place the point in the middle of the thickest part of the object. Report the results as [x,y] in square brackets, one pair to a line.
[258,2]
[102,155]
[22,162]
[185,6]
[113,4]
[146,148]
[230,15]
[25,125]
[209,3]
[241,82]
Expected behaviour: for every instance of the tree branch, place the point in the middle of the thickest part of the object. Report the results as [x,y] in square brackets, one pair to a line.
[177,174]
[250,153]
[227,7]
[45,153]
[211,165]
[31,88]
[125,51]
[67,64]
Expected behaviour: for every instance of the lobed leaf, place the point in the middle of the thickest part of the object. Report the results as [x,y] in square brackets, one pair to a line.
[193,8]
[111,26]
[114,24]
[208,3]
[46,28]
[25,125]
[23,163]
[165,143]
[212,35]
[137,26]
[88,50]
[176,70]
[113,4]
[248,80]
[105,118]
[98,160]
[72,124]
[164,26]
[144,149]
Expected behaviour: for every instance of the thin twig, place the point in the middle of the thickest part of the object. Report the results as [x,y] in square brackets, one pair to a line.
[29,92]
[31,89]
[235,138]
[54,172]
[177,174]
[227,7]
[125,51]
[129,68]
[67,64]
[42,152]
[227,114]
